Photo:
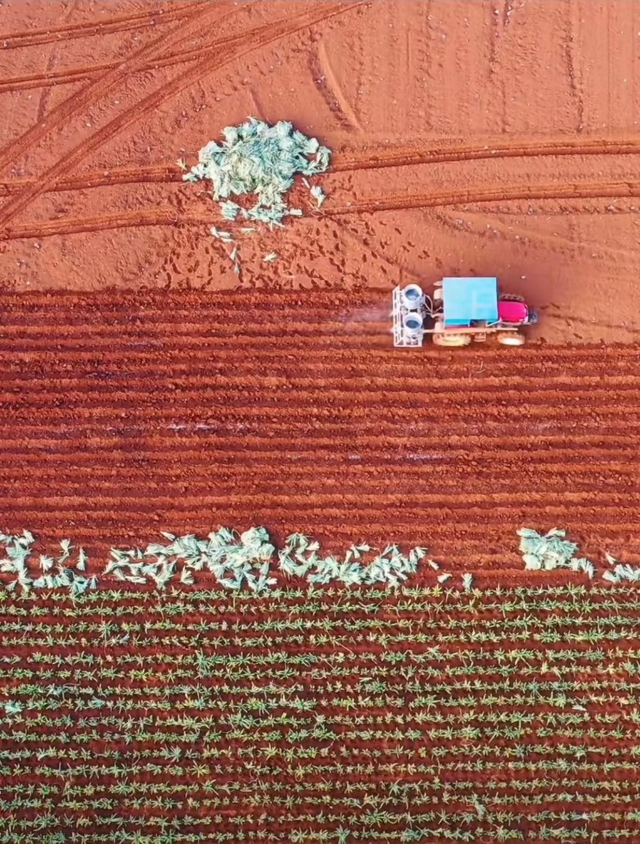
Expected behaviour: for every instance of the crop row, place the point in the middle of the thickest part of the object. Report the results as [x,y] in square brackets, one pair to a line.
[418,629]
[320,715]
[300,600]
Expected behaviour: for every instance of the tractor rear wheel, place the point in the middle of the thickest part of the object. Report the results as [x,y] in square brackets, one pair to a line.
[448,338]
[511,297]
[512,339]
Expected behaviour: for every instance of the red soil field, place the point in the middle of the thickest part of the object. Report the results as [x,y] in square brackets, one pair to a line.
[470,137]
[145,387]
[212,718]
[126,415]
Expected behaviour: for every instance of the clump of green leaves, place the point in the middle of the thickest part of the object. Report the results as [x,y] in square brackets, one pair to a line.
[55,573]
[259,159]
[18,551]
[318,194]
[622,572]
[234,559]
[302,557]
[62,572]
[551,551]
[13,708]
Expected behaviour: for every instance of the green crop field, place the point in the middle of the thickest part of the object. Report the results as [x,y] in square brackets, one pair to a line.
[322,714]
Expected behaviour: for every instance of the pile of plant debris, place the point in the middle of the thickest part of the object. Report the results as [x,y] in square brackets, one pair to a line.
[261,160]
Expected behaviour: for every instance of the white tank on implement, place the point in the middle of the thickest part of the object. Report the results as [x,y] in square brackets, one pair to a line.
[412,323]
[412,297]
[408,316]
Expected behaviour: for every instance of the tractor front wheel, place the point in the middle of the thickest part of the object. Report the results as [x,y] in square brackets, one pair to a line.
[511,339]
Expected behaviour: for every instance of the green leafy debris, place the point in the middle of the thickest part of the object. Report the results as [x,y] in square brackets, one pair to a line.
[261,160]
[621,573]
[225,237]
[248,561]
[301,557]
[236,560]
[54,574]
[551,551]
[318,194]
[230,210]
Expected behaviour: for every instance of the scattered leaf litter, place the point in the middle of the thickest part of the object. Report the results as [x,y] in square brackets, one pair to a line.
[551,551]
[261,160]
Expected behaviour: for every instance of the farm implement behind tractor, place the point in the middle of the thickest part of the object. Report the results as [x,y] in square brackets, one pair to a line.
[459,311]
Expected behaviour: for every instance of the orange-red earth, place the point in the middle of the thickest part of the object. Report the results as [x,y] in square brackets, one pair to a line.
[145,386]
[469,137]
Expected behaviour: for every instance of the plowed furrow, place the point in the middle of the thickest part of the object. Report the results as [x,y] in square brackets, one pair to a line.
[203,384]
[413,526]
[203,432]
[317,431]
[371,345]
[30,367]
[405,485]
[32,359]
[543,404]
[449,469]
[380,501]
[184,348]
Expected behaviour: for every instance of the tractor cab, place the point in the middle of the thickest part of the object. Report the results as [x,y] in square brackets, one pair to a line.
[467,301]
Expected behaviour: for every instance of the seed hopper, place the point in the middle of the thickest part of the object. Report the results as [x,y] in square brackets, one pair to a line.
[458,312]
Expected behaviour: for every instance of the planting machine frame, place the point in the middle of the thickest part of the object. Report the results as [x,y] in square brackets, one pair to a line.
[459,311]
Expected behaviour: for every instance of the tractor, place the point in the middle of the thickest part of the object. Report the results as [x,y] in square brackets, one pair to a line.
[459,311]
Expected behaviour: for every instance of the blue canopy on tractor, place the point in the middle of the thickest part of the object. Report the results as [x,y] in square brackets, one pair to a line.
[468,300]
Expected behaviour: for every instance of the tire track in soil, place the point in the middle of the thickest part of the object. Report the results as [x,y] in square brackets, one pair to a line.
[623,21]
[102,178]
[124,23]
[43,102]
[93,92]
[355,160]
[571,41]
[593,190]
[244,44]
[78,74]
[552,243]
[328,84]
[411,155]
[172,217]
